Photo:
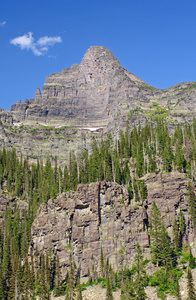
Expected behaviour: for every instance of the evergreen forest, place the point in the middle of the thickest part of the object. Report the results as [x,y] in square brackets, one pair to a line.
[153,148]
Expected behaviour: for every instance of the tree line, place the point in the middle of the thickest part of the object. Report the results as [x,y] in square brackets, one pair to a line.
[125,160]
[135,152]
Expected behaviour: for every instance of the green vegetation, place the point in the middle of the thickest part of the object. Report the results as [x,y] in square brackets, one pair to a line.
[109,295]
[156,111]
[189,87]
[126,161]
[159,240]
[135,111]
[190,286]
[166,281]
[191,204]
[148,87]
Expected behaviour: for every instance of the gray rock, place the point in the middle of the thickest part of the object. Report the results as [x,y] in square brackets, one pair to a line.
[100,215]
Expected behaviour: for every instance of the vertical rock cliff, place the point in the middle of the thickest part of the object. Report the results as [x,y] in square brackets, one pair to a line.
[100,215]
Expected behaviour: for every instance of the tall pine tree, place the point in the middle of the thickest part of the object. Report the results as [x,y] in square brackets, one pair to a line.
[140,276]
[190,286]
[109,295]
[159,240]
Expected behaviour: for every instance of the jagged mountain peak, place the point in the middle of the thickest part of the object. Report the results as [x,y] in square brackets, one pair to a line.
[100,57]
[99,53]
[99,92]
[88,94]
[96,95]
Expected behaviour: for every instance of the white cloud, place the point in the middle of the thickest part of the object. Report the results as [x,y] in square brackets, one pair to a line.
[2,24]
[49,41]
[25,41]
[40,47]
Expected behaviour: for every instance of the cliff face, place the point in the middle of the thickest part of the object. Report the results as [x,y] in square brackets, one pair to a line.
[85,94]
[101,215]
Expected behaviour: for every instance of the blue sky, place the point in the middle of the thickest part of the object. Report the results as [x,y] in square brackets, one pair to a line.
[154,39]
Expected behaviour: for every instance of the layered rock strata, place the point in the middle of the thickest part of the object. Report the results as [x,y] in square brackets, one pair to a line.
[100,92]
[85,94]
[100,215]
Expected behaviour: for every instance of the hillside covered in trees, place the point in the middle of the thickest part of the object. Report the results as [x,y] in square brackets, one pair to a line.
[125,160]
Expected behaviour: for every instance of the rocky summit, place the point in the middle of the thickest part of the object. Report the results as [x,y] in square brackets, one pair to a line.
[99,91]
[88,94]
[97,96]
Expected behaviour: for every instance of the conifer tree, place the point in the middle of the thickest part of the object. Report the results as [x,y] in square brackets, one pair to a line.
[190,286]
[176,239]
[19,180]
[140,160]
[2,288]
[159,239]
[179,159]
[154,230]
[125,174]
[152,165]
[70,293]
[135,188]
[43,279]
[12,287]
[58,278]
[143,189]
[167,155]
[32,273]
[47,268]
[117,177]
[102,263]
[109,295]
[73,171]
[65,184]
[6,263]
[166,255]
[24,243]
[79,296]
[178,135]
[94,160]
[84,167]
[140,276]
[178,296]
[107,159]
[26,278]
[191,204]
[18,272]
[192,263]
[127,290]
[181,222]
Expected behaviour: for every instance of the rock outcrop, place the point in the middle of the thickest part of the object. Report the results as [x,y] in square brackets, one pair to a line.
[100,215]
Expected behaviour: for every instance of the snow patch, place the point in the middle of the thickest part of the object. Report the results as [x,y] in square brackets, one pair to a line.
[91,128]
[18,124]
